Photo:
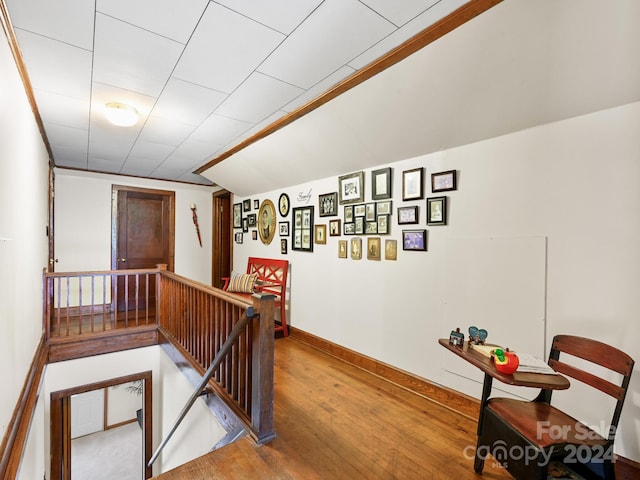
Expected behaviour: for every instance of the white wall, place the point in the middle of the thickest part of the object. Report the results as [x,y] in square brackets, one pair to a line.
[23,241]
[83,222]
[572,183]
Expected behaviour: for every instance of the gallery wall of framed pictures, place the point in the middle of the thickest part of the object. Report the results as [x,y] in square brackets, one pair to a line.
[359,217]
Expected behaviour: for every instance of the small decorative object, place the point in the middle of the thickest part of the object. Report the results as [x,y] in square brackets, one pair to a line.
[437,211]
[412,184]
[302,235]
[195,222]
[407,215]
[456,338]
[267,219]
[283,204]
[414,240]
[334,227]
[390,250]
[328,204]
[342,249]
[381,184]
[321,234]
[356,248]
[256,204]
[284,229]
[283,246]
[246,205]
[443,181]
[237,215]
[373,248]
[505,361]
[351,188]
[477,336]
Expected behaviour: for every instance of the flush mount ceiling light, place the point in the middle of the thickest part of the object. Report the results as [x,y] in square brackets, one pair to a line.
[121,114]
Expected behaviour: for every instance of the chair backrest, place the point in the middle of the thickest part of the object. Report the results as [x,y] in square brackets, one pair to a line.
[600,354]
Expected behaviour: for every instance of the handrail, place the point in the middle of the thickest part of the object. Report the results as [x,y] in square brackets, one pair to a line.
[224,350]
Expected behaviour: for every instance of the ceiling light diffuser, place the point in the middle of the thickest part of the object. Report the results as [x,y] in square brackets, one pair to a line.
[121,114]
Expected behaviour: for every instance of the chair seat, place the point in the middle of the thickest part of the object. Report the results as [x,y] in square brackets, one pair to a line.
[542,424]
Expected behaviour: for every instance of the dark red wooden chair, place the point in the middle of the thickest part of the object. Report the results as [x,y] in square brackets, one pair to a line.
[525,436]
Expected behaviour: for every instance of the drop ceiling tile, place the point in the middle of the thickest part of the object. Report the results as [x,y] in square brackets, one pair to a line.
[195,178]
[257,98]
[281,15]
[319,88]
[225,48]
[166,131]
[186,102]
[220,130]
[171,19]
[69,157]
[67,137]
[56,67]
[338,31]
[61,110]
[194,152]
[69,21]
[399,13]
[132,58]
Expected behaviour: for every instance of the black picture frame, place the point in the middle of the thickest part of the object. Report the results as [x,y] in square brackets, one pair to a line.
[381,184]
[328,204]
[437,211]
[408,215]
[283,204]
[302,232]
[246,205]
[335,227]
[414,240]
[443,181]
[237,215]
[283,246]
[351,188]
[413,184]
[283,228]
[252,218]
[256,204]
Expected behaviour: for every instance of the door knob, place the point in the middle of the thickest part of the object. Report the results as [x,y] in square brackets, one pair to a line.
[123,260]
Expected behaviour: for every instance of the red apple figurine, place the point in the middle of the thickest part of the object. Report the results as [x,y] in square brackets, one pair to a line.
[506,362]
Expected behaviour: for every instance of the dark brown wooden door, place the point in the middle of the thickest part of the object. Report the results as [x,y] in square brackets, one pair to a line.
[222,241]
[144,237]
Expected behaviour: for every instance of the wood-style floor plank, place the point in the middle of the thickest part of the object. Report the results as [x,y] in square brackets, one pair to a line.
[336,421]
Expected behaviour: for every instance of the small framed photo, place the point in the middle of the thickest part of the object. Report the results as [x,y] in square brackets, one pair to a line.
[284,229]
[437,211]
[383,208]
[390,250]
[237,215]
[359,225]
[371,228]
[359,210]
[412,184]
[328,204]
[383,224]
[342,249]
[254,234]
[351,188]
[238,237]
[414,240]
[373,248]
[334,227]
[245,225]
[407,215]
[321,234]
[283,246]
[256,204]
[349,228]
[246,205]
[381,184]
[370,212]
[443,181]
[348,213]
[252,219]
[356,248]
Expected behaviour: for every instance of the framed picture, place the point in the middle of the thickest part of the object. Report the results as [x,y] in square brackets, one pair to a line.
[359,225]
[254,234]
[321,234]
[283,246]
[348,213]
[237,215]
[414,239]
[342,249]
[383,224]
[390,250]
[267,221]
[284,229]
[251,218]
[383,208]
[381,184]
[328,204]
[443,181]
[412,184]
[238,237]
[349,228]
[370,212]
[359,210]
[256,204]
[373,248]
[356,248]
[245,224]
[283,204]
[371,228]
[437,211]
[302,231]
[351,188]
[407,215]
[246,205]
[334,227]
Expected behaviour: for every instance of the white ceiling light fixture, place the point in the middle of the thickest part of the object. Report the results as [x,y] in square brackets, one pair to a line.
[121,114]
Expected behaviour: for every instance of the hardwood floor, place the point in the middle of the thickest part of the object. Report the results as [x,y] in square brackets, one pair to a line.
[336,421]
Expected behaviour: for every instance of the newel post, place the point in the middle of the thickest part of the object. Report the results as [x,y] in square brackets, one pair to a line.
[262,369]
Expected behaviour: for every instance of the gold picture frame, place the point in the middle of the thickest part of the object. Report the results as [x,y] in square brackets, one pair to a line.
[267,221]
